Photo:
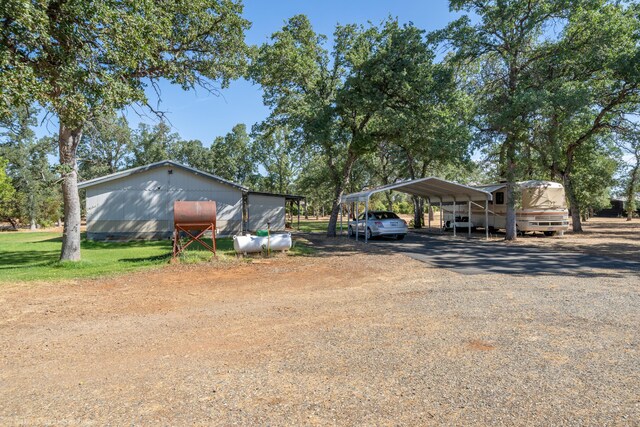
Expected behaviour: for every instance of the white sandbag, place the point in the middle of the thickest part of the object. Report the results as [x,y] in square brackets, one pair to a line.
[249,243]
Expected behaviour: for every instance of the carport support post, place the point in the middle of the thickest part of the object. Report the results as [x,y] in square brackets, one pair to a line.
[454,217]
[469,223]
[357,207]
[366,219]
[341,218]
[440,215]
[429,212]
[486,217]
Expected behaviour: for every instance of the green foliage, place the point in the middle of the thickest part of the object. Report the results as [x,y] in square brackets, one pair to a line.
[593,176]
[7,192]
[629,144]
[76,58]
[232,157]
[110,145]
[587,85]
[152,143]
[340,104]
[81,59]
[314,181]
[403,207]
[36,199]
[276,152]
[191,153]
[106,146]
[548,77]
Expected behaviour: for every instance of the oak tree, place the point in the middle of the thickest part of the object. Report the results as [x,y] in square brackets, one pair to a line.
[80,58]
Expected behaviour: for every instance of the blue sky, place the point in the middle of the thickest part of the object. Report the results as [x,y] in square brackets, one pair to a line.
[200,115]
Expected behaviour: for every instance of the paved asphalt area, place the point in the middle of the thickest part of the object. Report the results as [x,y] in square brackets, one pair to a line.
[476,256]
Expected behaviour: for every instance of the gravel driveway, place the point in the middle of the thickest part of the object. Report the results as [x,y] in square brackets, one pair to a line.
[336,339]
[477,256]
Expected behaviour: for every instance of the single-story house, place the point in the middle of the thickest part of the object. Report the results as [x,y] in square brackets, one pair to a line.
[138,203]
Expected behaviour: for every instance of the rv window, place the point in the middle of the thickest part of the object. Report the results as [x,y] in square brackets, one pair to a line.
[500,198]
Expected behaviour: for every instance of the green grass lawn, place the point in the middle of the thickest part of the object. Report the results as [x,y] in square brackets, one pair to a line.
[34,256]
[315,226]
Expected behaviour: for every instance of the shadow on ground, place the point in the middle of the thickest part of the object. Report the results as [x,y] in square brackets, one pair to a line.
[475,256]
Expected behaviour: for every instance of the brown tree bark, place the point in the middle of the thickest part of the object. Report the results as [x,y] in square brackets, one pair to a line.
[631,190]
[68,140]
[389,198]
[510,221]
[342,183]
[632,187]
[574,205]
[418,211]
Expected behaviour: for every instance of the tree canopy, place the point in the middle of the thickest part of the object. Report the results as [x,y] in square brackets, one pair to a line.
[341,103]
[540,89]
[79,59]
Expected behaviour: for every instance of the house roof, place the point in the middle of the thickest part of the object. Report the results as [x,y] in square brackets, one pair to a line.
[145,168]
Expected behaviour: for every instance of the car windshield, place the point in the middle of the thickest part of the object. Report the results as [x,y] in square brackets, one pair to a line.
[385,215]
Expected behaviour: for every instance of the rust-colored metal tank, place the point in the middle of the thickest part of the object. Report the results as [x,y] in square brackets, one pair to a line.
[194,213]
[193,219]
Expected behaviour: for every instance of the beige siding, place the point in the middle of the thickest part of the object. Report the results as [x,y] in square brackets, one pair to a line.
[263,209]
[143,203]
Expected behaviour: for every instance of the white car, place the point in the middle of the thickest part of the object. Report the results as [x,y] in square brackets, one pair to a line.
[460,222]
[379,223]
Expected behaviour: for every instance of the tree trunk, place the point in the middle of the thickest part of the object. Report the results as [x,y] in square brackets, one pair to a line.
[510,221]
[632,190]
[418,212]
[511,225]
[32,210]
[68,140]
[389,200]
[13,222]
[574,205]
[339,191]
[335,210]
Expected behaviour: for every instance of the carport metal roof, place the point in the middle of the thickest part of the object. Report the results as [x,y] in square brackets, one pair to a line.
[432,188]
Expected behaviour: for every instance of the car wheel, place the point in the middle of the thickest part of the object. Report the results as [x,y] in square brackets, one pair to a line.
[350,231]
[368,233]
[400,236]
[550,233]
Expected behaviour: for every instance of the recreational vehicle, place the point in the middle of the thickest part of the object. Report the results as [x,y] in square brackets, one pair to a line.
[542,207]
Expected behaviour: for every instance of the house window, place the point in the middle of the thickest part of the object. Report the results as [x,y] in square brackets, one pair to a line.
[500,198]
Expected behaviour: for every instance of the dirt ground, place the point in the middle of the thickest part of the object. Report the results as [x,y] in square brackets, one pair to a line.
[613,237]
[340,338]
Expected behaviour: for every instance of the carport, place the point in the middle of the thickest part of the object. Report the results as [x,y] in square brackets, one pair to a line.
[433,190]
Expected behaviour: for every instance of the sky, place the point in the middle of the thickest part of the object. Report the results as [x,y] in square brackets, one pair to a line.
[203,116]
